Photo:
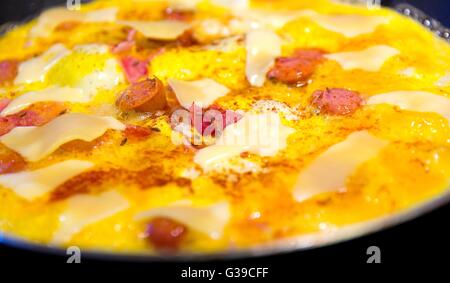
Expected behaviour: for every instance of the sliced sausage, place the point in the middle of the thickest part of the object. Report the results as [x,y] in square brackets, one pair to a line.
[135,132]
[39,114]
[85,146]
[67,26]
[147,95]
[5,126]
[36,115]
[296,69]
[186,39]
[337,101]
[165,233]
[8,71]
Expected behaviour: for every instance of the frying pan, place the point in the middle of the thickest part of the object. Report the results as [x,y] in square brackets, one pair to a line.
[14,11]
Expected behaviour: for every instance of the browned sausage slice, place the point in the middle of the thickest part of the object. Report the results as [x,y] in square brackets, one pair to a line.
[298,68]
[135,132]
[145,96]
[165,233]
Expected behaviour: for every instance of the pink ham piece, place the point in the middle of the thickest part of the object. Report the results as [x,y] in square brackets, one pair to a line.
[336,101]
[4,102]
[127,44]
[135,69]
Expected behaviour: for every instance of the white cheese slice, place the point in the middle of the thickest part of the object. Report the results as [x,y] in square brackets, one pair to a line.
[259,18]
[63,94]
[161,30]
[83,210]
[226,45]
[35,143]
[262,134]
[93,48]
[420,101]
[263,46]
[371,59]
[177,4]
[233,5]
[101,15]
[350,25]
[210,220]
[329,171]
[51,18]
[34,184]
[201,92]
[34,70]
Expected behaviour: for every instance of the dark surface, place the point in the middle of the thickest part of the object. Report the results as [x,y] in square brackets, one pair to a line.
[439,9]
[420,241]
[14,10]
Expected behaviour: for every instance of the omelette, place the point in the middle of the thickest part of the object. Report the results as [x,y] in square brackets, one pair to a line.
[209,126]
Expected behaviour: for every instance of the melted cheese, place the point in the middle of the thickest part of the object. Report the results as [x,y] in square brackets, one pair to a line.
[350,25]
[329,171]
[180,4]
[51,18]
[256,18]
[101,15]
[34,70]
[210,220]
[420,101]
[161,30]
[262,134]
[83,210]
[35,143]
[34,184]
[64,94]
[263,47]
[234,5]
[370,59]
[202,92]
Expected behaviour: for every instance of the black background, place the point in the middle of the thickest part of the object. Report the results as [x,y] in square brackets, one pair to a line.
[421,241]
